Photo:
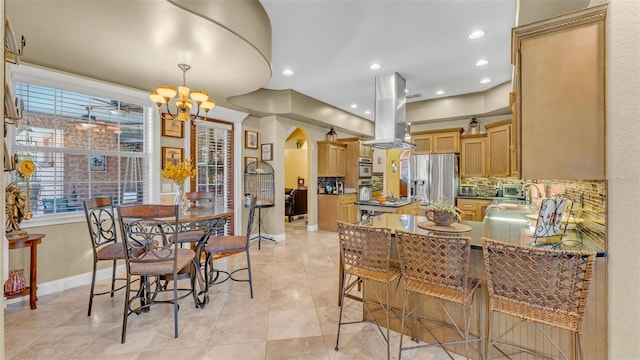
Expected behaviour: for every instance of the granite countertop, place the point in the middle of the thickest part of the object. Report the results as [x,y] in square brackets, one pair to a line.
[505,221]
[487,198]
[396,203]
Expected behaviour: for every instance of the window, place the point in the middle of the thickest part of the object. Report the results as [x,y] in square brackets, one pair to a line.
[214,159]
[84,146]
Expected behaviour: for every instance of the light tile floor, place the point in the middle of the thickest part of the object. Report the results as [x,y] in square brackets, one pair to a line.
[293,315]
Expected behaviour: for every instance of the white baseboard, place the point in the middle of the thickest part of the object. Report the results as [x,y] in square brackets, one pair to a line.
[55,286]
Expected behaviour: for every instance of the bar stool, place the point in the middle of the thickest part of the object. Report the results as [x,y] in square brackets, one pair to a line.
[546,287]
[365,252]
[435,266]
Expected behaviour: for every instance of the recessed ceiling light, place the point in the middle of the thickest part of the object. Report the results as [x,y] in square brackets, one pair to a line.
[406,91]
[354,106]
[375,66]
[482,62]
[440,92]
[476,34]
[287,72]
[485,81]
[368,112]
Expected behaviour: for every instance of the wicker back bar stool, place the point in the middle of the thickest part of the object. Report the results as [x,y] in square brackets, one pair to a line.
[365,252]
[545,287]
[435,266]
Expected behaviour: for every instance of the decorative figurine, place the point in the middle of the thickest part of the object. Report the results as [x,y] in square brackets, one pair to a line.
[17,206]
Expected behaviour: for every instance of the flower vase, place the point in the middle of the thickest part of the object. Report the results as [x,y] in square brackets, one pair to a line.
[181,200]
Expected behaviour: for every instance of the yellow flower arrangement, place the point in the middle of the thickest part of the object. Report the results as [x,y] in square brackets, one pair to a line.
[179,172]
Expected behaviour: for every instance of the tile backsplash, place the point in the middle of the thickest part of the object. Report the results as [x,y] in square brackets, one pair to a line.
[589,199]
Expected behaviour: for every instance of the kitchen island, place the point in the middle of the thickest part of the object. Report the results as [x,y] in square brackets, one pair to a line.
[390,206]
[505,221]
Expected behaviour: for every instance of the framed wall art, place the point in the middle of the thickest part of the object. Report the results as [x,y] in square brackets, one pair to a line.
[248,160]
[171,154]
[250,139]
[266,151]
[172,127]
[98,162]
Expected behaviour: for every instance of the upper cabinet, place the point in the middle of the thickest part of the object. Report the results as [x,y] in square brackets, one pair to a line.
[499,148]
[355,150]
[560,96]
[437,142]
[332,159]
[473,155]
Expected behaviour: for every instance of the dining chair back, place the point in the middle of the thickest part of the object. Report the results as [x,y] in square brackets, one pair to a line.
[537,285]
[101,221]
[366,255]
[196,199]
[437,267]
[218,247]
[148,233]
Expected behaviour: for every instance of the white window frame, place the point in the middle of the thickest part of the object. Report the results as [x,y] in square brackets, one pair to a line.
[73,83]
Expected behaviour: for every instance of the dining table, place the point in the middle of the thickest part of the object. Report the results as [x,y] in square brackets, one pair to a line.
[211,221]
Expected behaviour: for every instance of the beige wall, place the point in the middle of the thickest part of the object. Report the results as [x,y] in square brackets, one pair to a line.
[623,172]
[296,159]
[63,253]
[391,178]
[295,166]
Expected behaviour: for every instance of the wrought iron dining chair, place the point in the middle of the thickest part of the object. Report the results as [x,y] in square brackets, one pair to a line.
[437,267]
[218,247]
[101,220]
[148,233]
[366,252]
[540,286]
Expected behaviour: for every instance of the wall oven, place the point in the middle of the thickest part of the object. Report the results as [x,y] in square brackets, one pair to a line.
[365,168]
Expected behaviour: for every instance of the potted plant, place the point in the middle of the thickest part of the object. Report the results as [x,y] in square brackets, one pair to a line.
[442,213]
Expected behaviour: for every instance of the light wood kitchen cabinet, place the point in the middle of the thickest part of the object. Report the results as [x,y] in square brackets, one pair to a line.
[411,209]
[336,207]
[499,148]
[560,96]
[437,141]
[332,159]
[355,150]
[473,155]
[473,209]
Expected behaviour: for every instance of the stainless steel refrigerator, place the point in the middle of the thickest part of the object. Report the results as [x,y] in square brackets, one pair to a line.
[433,177]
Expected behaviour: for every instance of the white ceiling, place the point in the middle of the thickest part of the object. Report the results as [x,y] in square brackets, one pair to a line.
[328,44]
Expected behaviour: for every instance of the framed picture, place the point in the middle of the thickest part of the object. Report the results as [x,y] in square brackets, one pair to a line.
[267,152]
[98,162]
[250,139]
[172,127]
[171,154]
[248,160]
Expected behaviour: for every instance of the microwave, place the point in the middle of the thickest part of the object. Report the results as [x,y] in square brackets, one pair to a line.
[512,191]
[365,168]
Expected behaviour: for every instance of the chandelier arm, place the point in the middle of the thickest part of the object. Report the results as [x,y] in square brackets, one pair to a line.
[168,110]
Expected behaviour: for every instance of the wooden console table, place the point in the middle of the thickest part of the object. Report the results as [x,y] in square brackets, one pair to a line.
[32,242]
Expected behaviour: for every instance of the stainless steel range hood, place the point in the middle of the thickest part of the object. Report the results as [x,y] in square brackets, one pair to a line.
[391,114]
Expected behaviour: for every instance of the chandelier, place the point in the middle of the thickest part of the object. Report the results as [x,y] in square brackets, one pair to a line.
[164,94]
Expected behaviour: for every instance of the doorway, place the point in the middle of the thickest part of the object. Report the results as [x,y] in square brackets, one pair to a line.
[296,175]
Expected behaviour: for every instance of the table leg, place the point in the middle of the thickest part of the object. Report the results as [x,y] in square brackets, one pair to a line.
[33,281]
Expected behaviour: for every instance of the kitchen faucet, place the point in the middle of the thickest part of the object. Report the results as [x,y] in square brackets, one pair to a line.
[538,193]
